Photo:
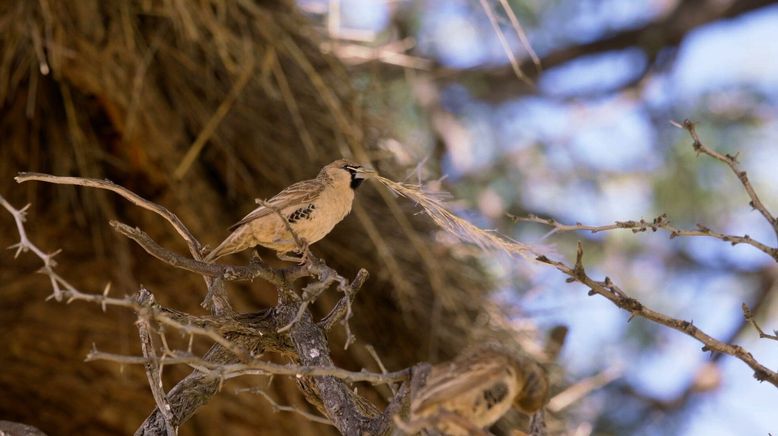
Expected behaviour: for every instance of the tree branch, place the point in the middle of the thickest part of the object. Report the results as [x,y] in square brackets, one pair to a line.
[734,165]
[660,222]
[178,225]
[615,295]
[151,362]
[496,83]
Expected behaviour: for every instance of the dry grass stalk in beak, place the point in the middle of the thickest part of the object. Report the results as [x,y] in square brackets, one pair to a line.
[434,206]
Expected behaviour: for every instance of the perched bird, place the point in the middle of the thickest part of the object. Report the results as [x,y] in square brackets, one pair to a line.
[311,208]
[474,390]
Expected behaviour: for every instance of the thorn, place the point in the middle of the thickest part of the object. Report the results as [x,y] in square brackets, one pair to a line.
[20,248]
[579,269]
[746,312]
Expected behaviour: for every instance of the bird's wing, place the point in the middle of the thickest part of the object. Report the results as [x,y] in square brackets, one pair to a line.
[299,193]
[456,380]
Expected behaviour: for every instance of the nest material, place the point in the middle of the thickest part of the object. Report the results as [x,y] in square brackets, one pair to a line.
[199,106]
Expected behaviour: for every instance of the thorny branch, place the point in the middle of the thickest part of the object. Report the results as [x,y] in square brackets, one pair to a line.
[733,164]
[181,229]
[279,408]
[255,366]
[662,222]
[151,363]
[238,338]
[618,297]
[216,299]
[750,318]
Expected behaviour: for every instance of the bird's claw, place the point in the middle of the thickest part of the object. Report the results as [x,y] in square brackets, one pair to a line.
[301,257]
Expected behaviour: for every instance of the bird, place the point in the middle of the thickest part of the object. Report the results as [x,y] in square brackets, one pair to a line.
[471,392]
[310,208]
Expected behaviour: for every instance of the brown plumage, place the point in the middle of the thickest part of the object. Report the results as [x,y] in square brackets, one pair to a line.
[474,390]
[311,207]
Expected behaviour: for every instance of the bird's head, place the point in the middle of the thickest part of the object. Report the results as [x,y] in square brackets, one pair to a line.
[346,171]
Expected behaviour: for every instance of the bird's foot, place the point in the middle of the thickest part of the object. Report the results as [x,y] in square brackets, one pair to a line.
[301,257]
[256,259]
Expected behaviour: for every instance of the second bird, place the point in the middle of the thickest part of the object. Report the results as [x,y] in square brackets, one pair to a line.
[311,207]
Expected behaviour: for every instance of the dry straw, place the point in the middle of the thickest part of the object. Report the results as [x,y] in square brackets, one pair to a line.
[434,206]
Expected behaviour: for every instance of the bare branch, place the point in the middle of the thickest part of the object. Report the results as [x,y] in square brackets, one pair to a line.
[615,295]
[377,358]
[151,362]
[216,270]
[749,316]
[277,407]
[178,225]
[504,43]
[302,245]
[660,222]
[342,310]
[734,165]
[257,367]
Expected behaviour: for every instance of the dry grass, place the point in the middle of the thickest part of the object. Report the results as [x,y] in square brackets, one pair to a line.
[433,205]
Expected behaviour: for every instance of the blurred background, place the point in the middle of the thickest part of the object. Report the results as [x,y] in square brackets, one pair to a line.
[428,95]
[592,143]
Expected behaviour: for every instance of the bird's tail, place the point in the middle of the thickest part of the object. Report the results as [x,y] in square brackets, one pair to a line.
[233,244]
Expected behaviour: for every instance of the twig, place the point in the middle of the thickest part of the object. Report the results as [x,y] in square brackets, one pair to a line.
[521,34]
[734,165]
[302,245]
[326,276]
[216,298]
[192,242]
[374,355]
[750,318]
[504,42]
[342,310]
[257,367]
[277,407]
[660,222]
[151,362]
[223,271]
[25,244]
[615,295]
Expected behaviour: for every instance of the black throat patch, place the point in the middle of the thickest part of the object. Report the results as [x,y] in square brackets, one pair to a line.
[355,181]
